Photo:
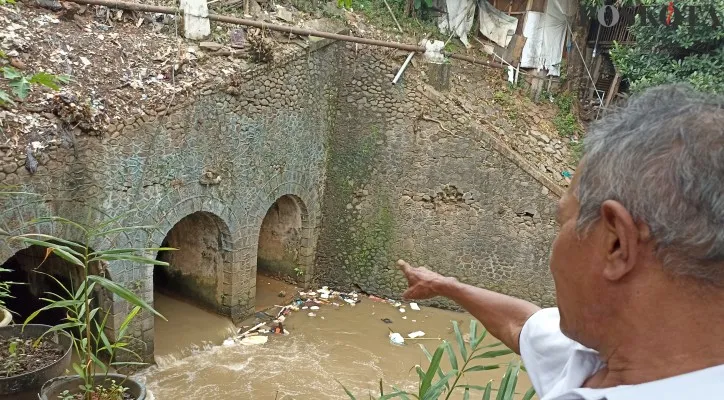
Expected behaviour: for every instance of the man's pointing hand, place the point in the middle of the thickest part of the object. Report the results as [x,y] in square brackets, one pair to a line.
[422,283]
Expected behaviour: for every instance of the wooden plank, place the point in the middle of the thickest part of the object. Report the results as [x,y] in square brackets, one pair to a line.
[515,49]
[596,73]
[613,89]
[538,6]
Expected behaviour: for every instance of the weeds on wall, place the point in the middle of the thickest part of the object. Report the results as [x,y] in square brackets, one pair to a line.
[448,383]
[505,98]
[576,150]
[567,124]
[565,121]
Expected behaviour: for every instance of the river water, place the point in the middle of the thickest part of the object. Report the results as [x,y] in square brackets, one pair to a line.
[344,343]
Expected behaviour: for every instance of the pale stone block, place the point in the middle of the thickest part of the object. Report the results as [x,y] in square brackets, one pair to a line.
[196,22]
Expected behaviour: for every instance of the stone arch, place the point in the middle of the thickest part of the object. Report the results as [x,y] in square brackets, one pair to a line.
[284,240]
[303,189]
[40,274]
[15,214]
[196,268]
[287,182]
[216,219]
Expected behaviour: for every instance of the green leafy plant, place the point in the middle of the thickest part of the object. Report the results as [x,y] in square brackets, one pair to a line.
[5,288]
[503,98]
[84,323]
[448,383]
[11,364]
[565,121]
[114,392]
[20,84]
[299,271]
[689,50]
[576,150]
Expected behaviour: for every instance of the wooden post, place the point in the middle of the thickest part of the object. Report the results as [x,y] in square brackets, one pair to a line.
[439,75]
[595,75]
[613,89]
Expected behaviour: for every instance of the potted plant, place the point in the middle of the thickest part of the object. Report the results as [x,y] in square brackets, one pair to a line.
[24,364]
[85,322]
[5,317]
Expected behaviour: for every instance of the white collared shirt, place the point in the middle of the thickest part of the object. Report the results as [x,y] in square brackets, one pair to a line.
[558,366]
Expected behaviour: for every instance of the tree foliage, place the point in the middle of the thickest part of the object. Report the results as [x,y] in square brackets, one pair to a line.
[689,49]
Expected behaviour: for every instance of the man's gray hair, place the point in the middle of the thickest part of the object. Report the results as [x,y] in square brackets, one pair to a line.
[662,157]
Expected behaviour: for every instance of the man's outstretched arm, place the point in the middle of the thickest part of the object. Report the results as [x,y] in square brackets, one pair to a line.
[503,316]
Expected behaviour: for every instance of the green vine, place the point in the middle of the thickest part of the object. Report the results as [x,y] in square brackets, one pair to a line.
[21,84]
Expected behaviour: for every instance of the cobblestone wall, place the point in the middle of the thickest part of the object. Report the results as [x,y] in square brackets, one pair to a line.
[400,171]
[230,151]
[412,176]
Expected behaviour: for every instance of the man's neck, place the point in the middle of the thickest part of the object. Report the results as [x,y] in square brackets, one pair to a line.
[679,337]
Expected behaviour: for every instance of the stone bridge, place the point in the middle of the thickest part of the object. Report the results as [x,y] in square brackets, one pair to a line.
[317,164]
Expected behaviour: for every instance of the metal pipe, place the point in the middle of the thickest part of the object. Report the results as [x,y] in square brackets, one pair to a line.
[122,5]
[309,32]
[403,67]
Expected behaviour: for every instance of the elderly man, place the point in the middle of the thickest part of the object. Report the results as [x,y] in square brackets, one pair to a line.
[638,263]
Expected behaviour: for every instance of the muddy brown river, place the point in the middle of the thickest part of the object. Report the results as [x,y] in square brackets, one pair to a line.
[349,344]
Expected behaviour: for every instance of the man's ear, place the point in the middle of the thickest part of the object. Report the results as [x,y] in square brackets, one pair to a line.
[621,239]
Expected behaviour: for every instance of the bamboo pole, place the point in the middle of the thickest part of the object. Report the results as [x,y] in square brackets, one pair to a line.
[393,16]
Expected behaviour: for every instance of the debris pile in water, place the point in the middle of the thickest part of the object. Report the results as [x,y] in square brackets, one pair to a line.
[310,302]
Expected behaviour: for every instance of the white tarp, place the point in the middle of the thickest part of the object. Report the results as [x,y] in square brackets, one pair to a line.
[459,19]
[546,36]
[496,25]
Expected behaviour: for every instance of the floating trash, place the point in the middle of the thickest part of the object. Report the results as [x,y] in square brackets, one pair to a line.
[396,339]
[254,340]
[402,309]
[324,292]
[414,306]
[416,334]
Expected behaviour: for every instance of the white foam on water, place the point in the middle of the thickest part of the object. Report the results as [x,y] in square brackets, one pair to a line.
[291,366]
